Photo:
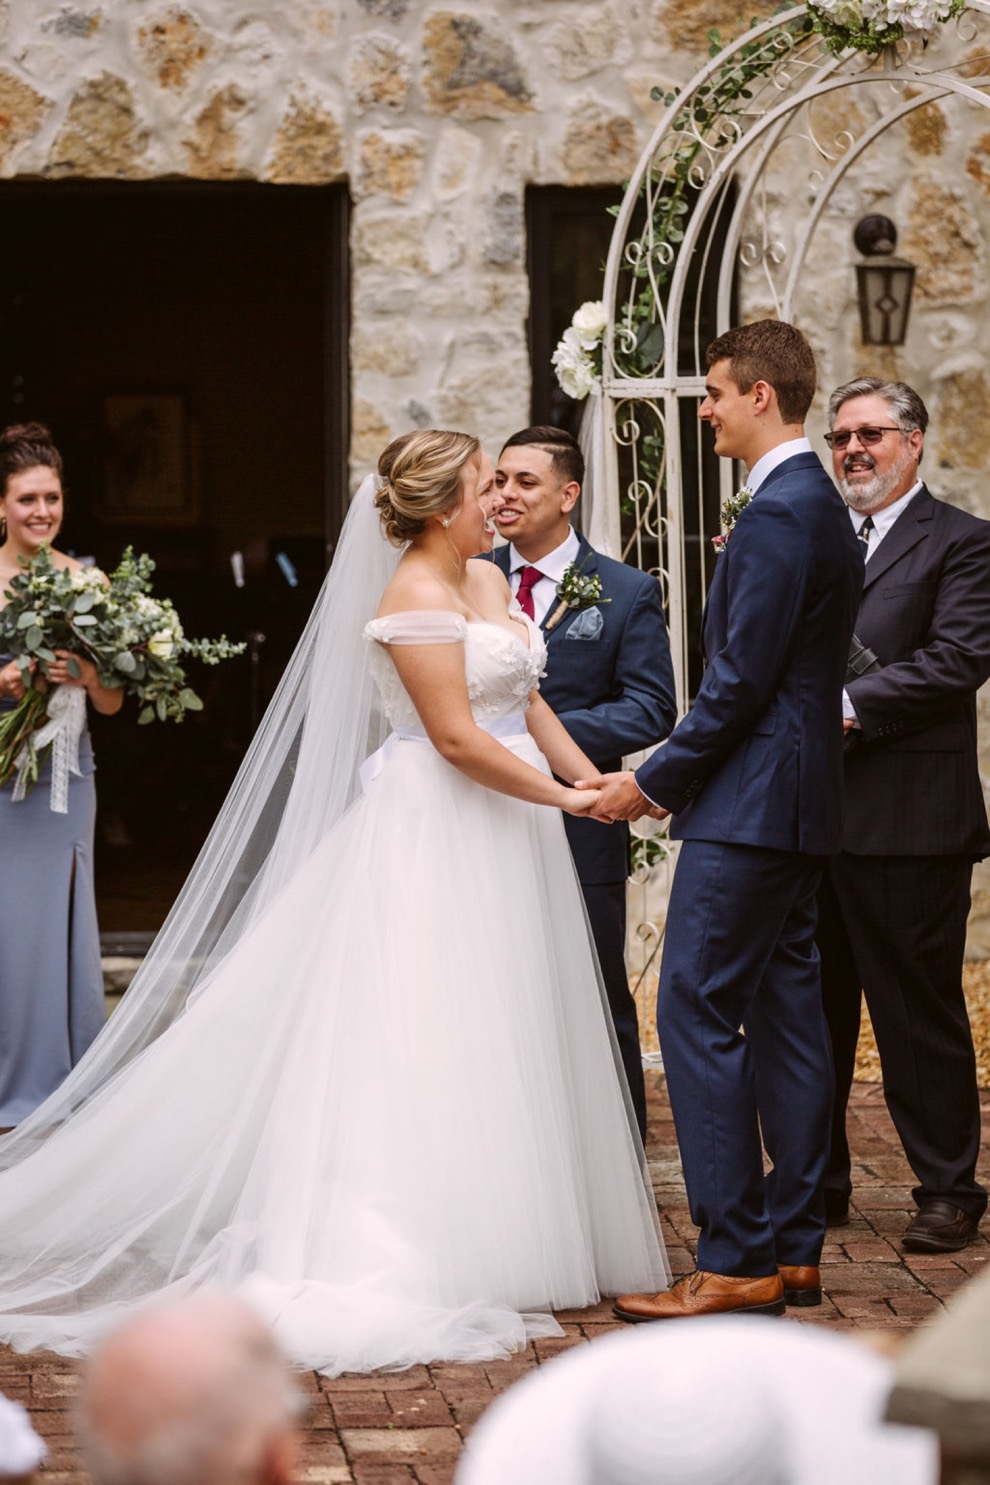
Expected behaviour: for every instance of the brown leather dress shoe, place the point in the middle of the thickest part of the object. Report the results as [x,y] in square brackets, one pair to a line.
[703,1293]
[802,1285]
[940,1227]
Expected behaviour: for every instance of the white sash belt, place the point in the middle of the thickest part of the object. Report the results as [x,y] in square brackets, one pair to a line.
[511,726]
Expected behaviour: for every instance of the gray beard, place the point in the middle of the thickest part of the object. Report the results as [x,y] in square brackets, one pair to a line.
[869,495]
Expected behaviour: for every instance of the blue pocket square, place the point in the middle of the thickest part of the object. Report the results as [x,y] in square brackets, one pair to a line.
[588,625]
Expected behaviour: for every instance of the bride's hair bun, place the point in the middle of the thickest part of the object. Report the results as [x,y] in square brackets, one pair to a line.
[421,477]
[25,446]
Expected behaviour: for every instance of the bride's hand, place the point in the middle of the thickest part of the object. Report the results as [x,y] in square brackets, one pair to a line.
[580,801]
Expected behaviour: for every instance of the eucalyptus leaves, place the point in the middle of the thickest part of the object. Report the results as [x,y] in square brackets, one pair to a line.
[134,640]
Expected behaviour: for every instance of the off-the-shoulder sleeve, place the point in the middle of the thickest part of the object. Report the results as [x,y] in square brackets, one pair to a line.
[418,627]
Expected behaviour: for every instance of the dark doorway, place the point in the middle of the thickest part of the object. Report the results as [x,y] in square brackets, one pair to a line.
[217,316]
[568,232]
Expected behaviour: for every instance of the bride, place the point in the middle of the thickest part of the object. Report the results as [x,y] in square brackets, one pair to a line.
[365,1075]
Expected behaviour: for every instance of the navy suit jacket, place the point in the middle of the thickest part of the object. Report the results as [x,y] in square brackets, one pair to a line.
[614,693]
[913,778]
[758,760]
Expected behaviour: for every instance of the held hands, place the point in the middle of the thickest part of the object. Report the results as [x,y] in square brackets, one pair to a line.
[580,801]
[619,798]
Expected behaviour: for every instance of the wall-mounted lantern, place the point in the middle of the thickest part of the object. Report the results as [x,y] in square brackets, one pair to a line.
[883,283]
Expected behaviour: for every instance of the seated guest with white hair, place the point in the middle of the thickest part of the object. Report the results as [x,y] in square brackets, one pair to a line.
[193,1392]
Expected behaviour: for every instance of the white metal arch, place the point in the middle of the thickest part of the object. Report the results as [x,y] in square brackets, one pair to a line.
[648,472]
[640,474]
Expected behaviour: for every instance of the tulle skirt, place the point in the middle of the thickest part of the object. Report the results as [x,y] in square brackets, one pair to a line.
[391,1117]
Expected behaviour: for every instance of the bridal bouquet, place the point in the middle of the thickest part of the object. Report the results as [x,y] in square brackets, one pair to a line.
[870,25]
[134,640]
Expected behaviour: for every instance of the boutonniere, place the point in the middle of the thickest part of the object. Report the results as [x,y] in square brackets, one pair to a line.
[729,514]
[576,589]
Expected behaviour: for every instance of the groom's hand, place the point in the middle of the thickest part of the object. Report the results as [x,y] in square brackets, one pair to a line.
[619,797]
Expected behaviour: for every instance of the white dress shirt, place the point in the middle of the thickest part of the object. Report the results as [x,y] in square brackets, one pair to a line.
[882,522]
[882,519]
[552,566]
[765,466]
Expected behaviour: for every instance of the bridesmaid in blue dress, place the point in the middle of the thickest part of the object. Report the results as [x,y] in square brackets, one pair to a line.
[51,984]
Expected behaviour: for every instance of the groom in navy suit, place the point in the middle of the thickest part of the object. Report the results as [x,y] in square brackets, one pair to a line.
[753,778]
[609,678]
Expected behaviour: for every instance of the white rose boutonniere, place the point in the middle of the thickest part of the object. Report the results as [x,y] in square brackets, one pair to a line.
[576,589]
[730,513]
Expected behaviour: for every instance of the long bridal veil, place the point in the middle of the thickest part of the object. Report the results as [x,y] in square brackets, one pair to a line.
[298,778]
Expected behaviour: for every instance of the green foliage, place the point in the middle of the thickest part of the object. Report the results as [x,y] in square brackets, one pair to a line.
[134,640]
[839,36]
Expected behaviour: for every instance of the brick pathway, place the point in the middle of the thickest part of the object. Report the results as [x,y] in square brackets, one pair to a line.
[388,1428]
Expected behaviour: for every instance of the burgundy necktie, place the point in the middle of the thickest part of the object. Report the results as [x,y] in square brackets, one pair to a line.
[528,578]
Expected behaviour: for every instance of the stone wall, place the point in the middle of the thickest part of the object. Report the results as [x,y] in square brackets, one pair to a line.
[437,118]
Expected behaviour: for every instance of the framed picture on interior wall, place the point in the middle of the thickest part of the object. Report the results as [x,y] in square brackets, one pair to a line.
[147,478]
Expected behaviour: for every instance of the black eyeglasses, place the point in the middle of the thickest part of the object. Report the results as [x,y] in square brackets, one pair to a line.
[867,437]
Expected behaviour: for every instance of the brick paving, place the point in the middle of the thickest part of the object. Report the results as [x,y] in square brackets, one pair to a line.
[400,1427]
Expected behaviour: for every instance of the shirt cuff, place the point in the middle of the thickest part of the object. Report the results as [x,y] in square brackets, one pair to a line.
[848,710]
[655,802]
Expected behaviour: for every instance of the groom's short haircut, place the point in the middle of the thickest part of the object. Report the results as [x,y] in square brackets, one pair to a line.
[770,351]
[563,448]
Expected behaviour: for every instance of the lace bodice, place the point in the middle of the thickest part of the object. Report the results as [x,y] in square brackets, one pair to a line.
[501,670]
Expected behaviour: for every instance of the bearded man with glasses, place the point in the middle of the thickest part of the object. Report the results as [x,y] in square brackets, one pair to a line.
[893,904]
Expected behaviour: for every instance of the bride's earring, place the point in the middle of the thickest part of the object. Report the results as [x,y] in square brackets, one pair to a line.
[445,522]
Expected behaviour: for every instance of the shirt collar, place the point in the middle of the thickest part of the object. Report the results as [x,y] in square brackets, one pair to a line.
[884,519]
[555,563]
[765,466]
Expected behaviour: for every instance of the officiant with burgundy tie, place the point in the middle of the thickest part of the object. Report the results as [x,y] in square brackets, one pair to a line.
[894,902]
[609,675]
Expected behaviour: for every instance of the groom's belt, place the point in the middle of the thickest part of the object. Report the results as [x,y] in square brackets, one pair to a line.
[511,726]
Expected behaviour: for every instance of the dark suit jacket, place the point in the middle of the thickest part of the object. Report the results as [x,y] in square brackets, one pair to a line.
[614,694]
[912,780]
[758,760]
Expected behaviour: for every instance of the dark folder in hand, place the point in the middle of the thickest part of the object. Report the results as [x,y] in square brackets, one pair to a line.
[861,661]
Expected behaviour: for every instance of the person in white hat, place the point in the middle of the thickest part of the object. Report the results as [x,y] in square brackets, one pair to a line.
[21,1450]
[726,1401]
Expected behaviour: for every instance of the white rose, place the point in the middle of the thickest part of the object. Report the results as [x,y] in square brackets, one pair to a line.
[161,645]
[589,321]
[576,377]
[575,369]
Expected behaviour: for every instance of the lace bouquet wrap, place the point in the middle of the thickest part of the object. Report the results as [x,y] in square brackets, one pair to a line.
[135,641]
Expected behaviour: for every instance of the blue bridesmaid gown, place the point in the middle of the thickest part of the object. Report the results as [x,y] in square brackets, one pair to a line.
[51,982]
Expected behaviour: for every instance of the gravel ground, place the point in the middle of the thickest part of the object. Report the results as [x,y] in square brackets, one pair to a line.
[976,983]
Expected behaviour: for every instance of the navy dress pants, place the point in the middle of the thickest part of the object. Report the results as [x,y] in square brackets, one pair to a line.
[745,1047]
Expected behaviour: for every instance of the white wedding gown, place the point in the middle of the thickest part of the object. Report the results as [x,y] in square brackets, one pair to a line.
[390,1115]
